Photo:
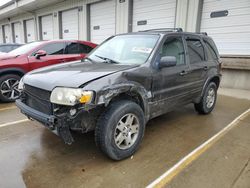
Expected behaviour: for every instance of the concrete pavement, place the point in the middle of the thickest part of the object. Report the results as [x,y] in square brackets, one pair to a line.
[32,156]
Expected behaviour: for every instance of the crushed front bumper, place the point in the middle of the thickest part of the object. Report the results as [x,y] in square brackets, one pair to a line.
[57,125]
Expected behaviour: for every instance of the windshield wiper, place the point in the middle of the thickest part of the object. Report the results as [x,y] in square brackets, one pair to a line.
[107,60]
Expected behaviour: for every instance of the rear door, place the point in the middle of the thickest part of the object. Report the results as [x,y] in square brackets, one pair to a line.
[76,51]
[197,60]
[170,84]
[55,55]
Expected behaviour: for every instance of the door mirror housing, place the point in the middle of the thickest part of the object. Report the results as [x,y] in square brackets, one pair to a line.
[167,61]
[40,53]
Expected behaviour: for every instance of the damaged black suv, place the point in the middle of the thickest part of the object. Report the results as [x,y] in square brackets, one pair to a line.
[126,81]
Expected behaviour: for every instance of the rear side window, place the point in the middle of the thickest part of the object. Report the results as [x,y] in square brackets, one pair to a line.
[195,50]
[212,50]
[77,48]
[54,48]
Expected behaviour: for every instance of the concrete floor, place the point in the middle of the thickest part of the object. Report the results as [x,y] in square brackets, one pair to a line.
[32,156]
[225,164]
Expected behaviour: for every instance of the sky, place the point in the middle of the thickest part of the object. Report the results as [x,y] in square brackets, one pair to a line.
[2,2]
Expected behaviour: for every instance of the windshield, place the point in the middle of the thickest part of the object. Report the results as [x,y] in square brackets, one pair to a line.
[125,49]
[25,48]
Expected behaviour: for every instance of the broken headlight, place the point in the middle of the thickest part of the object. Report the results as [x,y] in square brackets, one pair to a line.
[70,96]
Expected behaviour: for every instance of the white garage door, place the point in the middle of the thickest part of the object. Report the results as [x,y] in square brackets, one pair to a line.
[228,23]
[30,30]
[70,21]
[47,27]
[148,14]
[102,20]
[6,30]
[17,32]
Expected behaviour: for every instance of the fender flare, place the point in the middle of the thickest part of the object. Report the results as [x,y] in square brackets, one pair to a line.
[207,82]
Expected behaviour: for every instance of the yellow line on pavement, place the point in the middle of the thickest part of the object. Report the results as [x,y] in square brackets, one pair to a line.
[8,108]
[14,122]
[165,178]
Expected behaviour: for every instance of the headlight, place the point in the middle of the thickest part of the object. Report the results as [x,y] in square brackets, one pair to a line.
[20,85]
[70,96]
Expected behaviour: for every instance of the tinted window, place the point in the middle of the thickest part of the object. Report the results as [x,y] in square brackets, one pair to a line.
[54,48]
[72,48]
[77,48]
[212,50]
[84,48]
[173,46]
[195,50]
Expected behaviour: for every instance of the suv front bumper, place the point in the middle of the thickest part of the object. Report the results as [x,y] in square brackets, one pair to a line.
[57,125]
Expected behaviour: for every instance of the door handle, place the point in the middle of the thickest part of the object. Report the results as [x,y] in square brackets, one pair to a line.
[205,68]
[184,72]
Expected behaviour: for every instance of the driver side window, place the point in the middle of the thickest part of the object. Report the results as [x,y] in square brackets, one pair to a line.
[53,48]
[173,46]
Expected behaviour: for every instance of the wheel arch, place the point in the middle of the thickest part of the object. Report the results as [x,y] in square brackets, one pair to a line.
[215,79]
[16,71]
[132,92]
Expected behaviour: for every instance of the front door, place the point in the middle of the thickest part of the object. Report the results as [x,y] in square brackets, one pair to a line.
[170,84]
[55,55]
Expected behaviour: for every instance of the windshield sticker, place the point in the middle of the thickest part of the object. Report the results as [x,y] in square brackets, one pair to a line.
[142,49]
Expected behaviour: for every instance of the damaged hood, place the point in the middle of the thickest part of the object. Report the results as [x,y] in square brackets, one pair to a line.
[71,74]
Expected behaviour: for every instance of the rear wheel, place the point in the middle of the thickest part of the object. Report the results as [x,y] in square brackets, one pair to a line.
[9,87]
[208,100]
[120,129]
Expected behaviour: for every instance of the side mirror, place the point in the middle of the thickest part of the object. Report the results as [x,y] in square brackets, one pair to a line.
[40,53]
[167,61]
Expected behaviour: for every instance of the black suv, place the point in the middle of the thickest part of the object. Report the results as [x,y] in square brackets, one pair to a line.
[126,81]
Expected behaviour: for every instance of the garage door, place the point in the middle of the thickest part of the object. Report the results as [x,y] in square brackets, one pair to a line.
[17,32]
[148,14]
[70,21]
[6,33]
[102,20]
[228,22]
[46,27]
[30,30]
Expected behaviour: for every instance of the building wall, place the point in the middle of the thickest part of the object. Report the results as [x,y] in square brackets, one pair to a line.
[188,15]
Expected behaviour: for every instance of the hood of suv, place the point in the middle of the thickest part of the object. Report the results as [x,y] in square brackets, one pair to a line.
[71,74]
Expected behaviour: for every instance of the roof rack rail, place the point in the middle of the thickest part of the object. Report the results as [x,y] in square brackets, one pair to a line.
[203,33]
[178,29]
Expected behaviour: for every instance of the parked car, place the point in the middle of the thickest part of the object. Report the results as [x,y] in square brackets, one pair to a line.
[7,47]
[16,63]
[126,81]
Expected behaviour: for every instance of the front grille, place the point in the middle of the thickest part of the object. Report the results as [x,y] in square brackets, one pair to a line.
[38,99]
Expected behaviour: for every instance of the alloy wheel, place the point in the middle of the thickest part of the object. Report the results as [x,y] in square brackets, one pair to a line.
[126,131]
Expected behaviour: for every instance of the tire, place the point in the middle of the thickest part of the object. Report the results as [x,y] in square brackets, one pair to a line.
[108,134]
[208,100]
[8,87]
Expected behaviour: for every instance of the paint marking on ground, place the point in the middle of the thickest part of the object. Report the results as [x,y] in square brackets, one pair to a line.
[14,122]
[165,178]
[8,108]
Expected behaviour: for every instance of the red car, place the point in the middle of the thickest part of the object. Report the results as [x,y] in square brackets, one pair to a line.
[16,63]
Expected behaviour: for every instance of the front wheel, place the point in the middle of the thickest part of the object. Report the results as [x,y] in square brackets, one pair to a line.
[208,100]
[119,130]
[9,88]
